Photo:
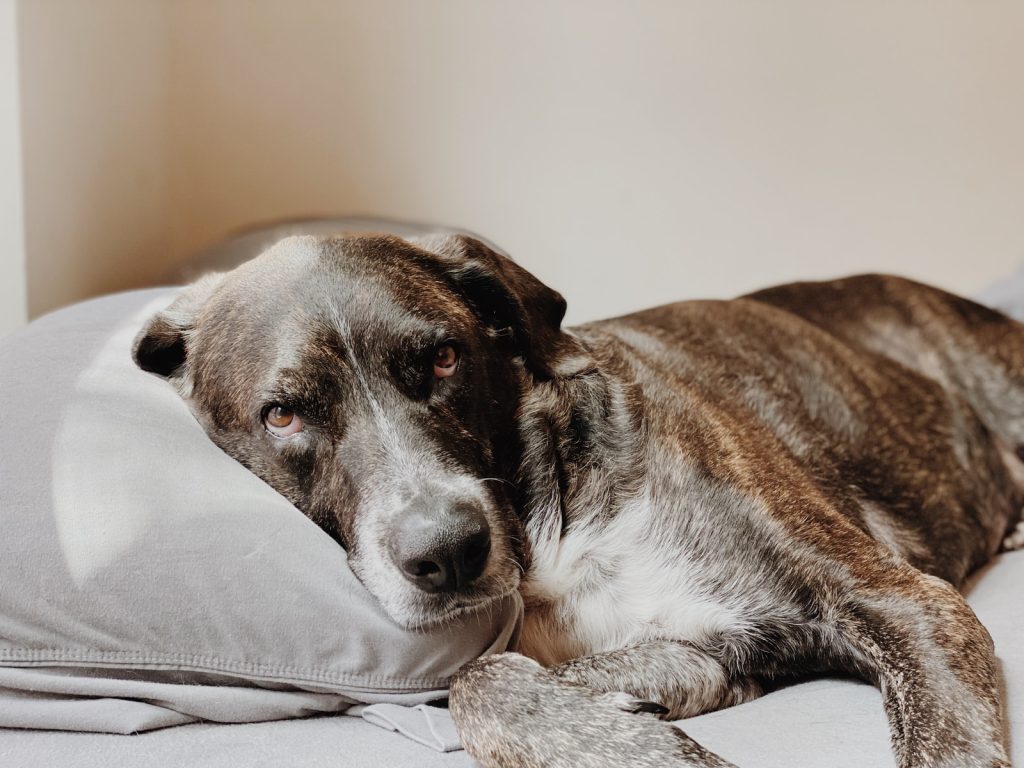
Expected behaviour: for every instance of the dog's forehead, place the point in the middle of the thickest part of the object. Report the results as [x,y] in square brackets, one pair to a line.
[357,287]
[311,265]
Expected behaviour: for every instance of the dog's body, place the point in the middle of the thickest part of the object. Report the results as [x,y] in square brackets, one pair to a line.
[701,497]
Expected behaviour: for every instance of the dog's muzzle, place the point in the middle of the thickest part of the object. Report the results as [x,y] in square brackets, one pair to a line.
[441,547]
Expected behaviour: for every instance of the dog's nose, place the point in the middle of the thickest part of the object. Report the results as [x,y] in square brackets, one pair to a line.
[442,551]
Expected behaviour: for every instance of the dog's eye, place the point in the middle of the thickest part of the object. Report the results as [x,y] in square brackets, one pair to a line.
[446,361]
[281,421]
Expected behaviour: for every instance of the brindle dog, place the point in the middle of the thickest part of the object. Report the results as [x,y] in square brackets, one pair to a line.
[692,500]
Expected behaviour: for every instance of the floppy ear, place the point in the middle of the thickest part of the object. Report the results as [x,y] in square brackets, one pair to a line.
[506,297]
[161,347]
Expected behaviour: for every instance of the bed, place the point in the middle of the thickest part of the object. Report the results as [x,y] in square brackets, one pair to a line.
[350,722]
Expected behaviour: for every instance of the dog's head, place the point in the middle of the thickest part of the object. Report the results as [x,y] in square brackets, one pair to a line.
[374,382]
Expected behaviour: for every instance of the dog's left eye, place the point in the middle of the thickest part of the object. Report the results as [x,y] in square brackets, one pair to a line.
[281,421]
[446,361]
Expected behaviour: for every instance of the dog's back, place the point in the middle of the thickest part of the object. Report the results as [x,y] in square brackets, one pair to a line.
[902,403]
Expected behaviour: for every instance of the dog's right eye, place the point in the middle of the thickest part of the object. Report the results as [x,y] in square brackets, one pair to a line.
[281,421]
[446,361]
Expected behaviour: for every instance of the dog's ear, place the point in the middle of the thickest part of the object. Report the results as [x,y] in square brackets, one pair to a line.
[161,347]
[506,298]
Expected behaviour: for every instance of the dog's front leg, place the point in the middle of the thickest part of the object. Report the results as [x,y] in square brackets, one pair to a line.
[680,677]
[513,713]
[935,665]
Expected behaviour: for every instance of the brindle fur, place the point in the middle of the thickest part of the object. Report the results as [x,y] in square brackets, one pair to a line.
[702,497]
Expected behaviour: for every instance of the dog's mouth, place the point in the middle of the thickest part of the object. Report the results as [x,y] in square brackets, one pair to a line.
[419,611]
[434,618]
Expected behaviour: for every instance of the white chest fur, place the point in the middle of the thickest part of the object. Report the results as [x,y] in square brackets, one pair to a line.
[607,584]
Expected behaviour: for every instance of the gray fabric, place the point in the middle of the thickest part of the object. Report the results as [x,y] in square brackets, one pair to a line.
[321,742]
[129,701]
[147,579]
[440,733]
[1007,294]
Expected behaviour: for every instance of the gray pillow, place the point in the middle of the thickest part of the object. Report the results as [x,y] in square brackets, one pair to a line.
[147,579]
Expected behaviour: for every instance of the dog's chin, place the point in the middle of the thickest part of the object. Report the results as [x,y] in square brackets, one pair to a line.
[428,612]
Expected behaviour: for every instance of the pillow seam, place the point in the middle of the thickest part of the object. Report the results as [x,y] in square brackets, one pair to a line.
[199,662]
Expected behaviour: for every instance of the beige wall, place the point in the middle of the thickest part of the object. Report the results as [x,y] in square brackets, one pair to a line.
[93,112]
[12,249]
[629,153]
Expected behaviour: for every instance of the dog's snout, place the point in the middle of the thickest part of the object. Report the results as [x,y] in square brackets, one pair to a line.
[442,550]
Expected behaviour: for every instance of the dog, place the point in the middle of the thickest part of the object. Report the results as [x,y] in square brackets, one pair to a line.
[693,501]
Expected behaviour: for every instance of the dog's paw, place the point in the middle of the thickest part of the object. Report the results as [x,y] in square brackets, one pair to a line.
[627,703]
[1015,540]
[509,710]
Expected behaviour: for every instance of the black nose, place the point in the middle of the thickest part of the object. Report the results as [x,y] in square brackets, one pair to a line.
[442,551]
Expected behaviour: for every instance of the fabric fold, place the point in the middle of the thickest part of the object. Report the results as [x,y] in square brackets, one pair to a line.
[430,726]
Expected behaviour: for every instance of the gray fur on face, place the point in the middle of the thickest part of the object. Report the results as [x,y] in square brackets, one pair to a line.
[701,498]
